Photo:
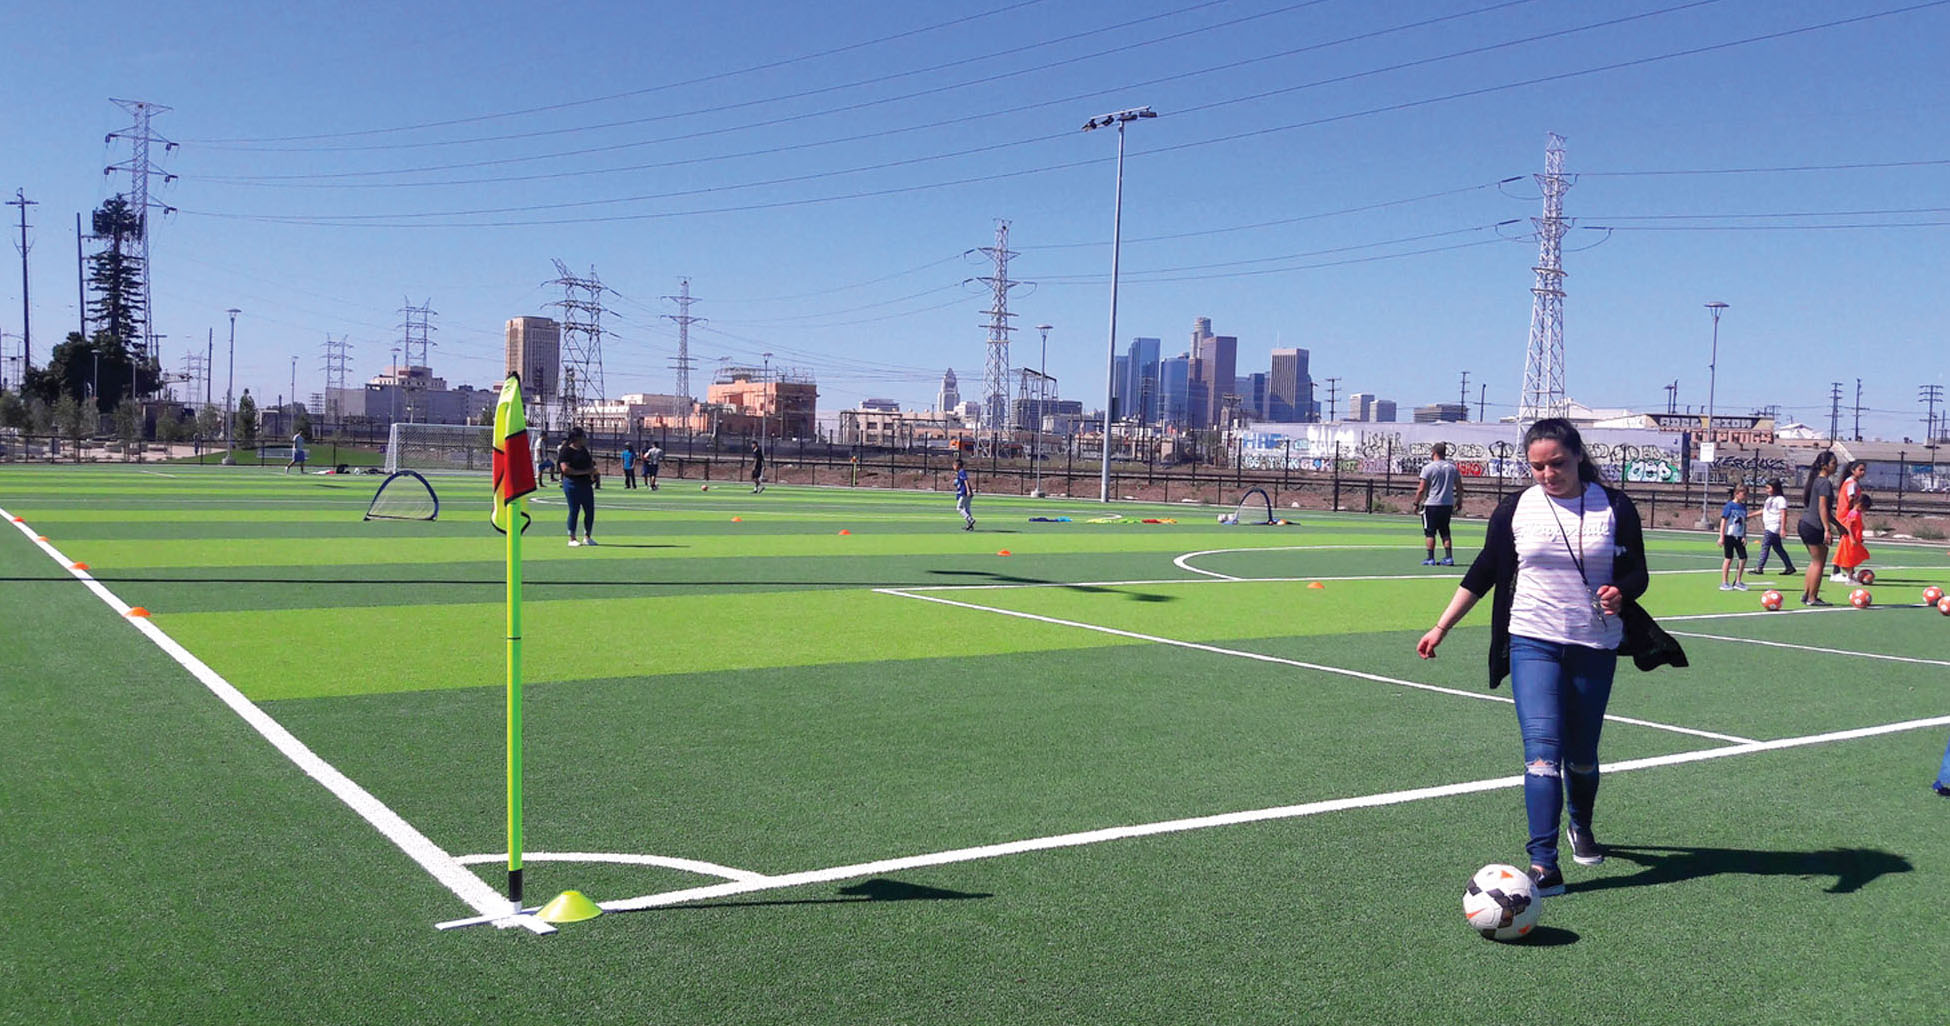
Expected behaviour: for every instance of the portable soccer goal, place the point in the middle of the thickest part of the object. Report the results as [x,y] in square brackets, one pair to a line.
[440,448]
[1255,510]
[404,495]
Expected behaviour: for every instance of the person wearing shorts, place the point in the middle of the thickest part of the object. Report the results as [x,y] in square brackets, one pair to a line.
[653,460]
[1817,525]
[298,454]
[1437,493]
[1733,541]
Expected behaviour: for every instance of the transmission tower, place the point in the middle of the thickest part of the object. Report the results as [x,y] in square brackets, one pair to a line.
[1333,390]
[1857,433]
[683,363]
[995,379]
[338,369]
[194,370]
[139,167]
[1465,396]
[416,337]
[582,339]
[1543,361]
[1930,395]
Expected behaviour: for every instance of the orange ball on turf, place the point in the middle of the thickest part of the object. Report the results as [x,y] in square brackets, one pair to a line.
[1860,598]
[1770,600]
[1932,595]
[1943,605]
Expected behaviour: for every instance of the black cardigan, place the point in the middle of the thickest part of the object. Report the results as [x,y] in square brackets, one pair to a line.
[1496,567]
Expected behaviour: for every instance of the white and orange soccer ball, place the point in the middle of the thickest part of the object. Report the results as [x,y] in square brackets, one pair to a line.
[1770,600]
[1501,903]
[1943,605]
[703,488]
[1932,595]
[1860,598]
[1865,576]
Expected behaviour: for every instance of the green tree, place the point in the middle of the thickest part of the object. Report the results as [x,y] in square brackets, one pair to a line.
[169,427]
[103,366]
[127,418]
[71,421]
[13,411]
[115,272]
[246,421]
[209,422]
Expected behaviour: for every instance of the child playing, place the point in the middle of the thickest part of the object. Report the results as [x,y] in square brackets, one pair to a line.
[1772,513]
[1733,540]
[1850,553]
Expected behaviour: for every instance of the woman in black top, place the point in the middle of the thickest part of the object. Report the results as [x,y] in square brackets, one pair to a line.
[1817,526]
[579,485]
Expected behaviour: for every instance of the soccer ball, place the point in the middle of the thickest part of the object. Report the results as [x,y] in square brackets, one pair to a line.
[1932,595]
[1943,605]
[1860,598]
[1865,576]
[1770,600]
[703,488]
[1501,903]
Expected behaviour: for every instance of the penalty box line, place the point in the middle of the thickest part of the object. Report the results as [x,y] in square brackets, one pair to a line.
[1320,667]
[1088,837]
[417,846]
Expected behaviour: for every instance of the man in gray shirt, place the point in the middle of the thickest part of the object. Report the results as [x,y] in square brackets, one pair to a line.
[1441,486]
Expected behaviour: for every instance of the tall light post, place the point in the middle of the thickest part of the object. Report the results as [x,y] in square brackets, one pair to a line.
[1712,375]
[1042,407]
[1118,118]
[229,386]
[764,415]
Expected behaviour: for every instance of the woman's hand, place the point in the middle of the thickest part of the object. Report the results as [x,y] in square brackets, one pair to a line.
[1426,647]
[1610,599]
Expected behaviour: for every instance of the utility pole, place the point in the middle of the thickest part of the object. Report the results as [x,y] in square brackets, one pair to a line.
[1834,411]
[1858,409]
[26,333]
[1120,119]
[209,362]
[1465,396]
[1672,397]
[1930,395]
[230,384]
[1482,403]
[80,277]
[1333,390]
[683,363]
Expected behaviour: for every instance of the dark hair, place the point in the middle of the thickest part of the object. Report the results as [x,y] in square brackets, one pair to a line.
[1440,449]
[1826,458]
[1849,471]
[1564,433]
[1774,486]
[575,433]
[1863,501]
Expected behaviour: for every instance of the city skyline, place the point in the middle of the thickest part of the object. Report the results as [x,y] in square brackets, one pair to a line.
[1354,182]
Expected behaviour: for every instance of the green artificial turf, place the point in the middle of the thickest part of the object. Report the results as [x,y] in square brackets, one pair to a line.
[770,695]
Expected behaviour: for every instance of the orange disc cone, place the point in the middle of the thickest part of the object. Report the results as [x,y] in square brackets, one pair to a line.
[40,537]
[737,520]
[142,611]
[1317,584]
[1005,552]
[18,520]
[845,531]
[77,566]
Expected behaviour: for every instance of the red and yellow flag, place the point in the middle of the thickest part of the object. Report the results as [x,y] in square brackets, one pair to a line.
[514,460]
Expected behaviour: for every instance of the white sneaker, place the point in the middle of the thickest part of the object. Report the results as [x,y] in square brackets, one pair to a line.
[1738,585]
[573,543]
[1724,586]
[1839,578]
[589,541]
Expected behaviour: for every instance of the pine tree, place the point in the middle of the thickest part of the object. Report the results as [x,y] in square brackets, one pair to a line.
[115,273]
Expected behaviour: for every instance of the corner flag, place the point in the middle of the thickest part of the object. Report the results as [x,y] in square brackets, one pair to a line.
[514,477]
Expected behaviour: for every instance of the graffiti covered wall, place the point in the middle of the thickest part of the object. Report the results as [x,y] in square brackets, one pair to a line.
[1479,450]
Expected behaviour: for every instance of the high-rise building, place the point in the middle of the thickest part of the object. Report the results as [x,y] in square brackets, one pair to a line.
[1253,395]
[1289,388]
[1214,365]
[950,395]
[535,353]
[1360,406]
[1120,387]
[1441,413]
[1174,385]
[1141,380]
[1384,411]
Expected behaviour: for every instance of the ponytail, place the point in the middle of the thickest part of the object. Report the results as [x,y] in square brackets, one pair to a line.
[1564,433]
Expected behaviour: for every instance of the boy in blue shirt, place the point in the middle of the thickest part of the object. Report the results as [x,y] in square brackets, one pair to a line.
[963,494]
[1733,539]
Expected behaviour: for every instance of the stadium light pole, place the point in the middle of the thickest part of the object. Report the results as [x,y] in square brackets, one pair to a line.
[229,385]
[1118,118]
[1712,375]
[1042,405]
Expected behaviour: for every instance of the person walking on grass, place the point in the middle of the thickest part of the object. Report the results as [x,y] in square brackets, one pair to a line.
[1817,525]
[578,470]
[1851,501]
[1566,558]
[964,494]
[1437,493]
[653,459]
[758,469]
[629,468]
[1733,540]
[1772,514]
[298,454]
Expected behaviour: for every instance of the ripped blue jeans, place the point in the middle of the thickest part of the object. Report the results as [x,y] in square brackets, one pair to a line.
[1561,693]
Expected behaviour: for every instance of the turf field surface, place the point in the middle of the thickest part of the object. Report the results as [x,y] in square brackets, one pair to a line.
[1110,783]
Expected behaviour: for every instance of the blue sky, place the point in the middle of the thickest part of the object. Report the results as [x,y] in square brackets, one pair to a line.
[1335,175]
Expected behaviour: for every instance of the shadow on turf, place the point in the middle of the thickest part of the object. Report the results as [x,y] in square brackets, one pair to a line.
[1852,868]
[868,891]
[1088,589]
[1550,937]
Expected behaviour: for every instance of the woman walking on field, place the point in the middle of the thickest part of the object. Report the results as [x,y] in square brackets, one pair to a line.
[1565,557]
[1817,526]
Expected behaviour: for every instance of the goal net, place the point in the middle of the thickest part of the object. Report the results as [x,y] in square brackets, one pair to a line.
[440,448]
[404,495]
[1255,510]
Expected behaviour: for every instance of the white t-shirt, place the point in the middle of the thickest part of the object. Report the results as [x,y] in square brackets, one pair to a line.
[1552,601]
[1771,513]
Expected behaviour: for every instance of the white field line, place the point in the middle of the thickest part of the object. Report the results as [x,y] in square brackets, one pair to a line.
[1088,837]
[1262,657]
[1815,648]
[615,858]
[417,846]
[1181,563]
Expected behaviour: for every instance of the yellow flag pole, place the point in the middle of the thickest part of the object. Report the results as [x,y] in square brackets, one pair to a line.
[516,514]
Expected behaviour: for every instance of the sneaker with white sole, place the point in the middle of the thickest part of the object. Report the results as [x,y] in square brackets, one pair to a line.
[1724,586]
[589,541]
[1740,586]
[1839,578]
[1547,882]
[1585,849]
[1446,561]
[574,543]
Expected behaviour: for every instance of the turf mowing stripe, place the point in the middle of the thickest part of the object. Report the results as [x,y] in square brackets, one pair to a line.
[1262,657]
[417,846]
[989,851]
[1815,648]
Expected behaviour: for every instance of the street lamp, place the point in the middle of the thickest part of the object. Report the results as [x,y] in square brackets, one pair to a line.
[229,384]
[1712,375]
[1117,118]
[1042,407]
